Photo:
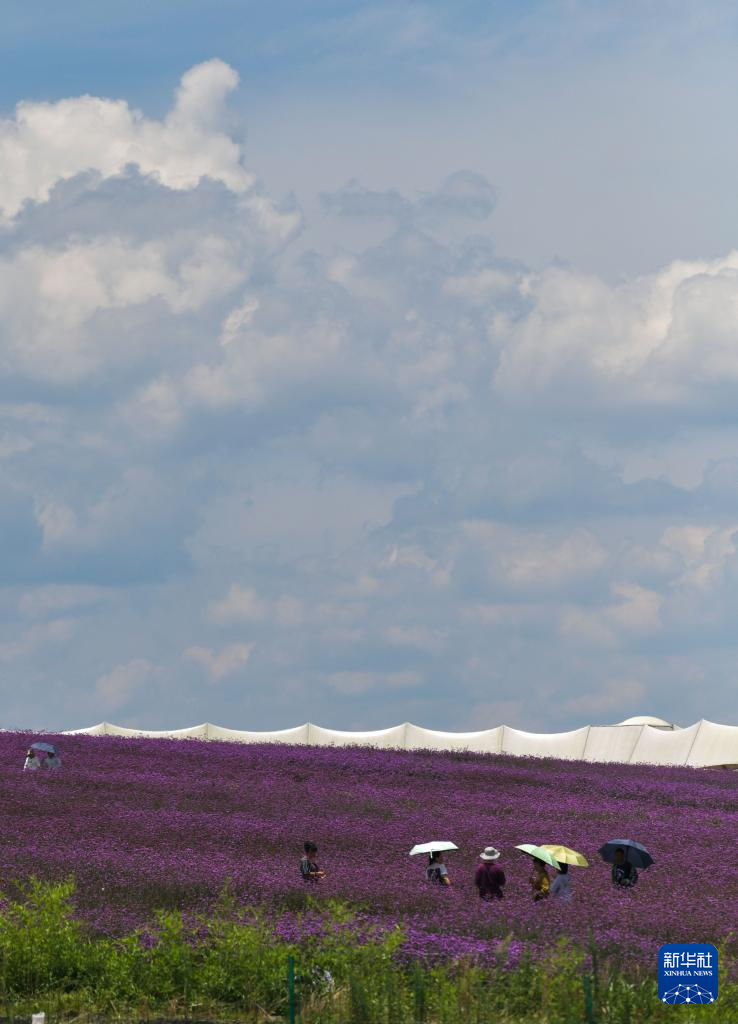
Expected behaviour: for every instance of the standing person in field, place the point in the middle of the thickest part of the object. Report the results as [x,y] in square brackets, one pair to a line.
[561,885]
[52,761]
[624,873]
[309,868]
[540,883]
[437,872]
[32,762]
[489,877]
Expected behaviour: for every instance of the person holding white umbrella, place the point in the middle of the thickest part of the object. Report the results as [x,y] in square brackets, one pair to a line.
[436,872]
[32,762]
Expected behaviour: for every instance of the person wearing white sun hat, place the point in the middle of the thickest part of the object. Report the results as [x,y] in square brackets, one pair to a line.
[489,877]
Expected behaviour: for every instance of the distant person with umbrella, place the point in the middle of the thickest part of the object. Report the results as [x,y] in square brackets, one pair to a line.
[561,885]
[540,883]
[623,872]
[436,872]
[309,868]
[52,759]
[626,856]
[489,877]
[34,761]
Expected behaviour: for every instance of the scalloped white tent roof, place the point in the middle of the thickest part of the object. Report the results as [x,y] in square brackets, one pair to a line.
[658,723]
[644,740]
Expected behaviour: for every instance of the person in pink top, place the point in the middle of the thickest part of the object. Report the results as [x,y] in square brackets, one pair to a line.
[489,877]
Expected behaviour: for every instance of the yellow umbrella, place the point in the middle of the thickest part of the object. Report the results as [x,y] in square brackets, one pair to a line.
[566,856]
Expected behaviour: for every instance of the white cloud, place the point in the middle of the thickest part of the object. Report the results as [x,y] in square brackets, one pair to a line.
[243,604]
[221,664]
[258,368]
[636,612]
[48,296]
[120,686]
[240,604]
[56,597]
[354,683]
[620,696]
[36,640]
[659,340]
[480,286]
[48,142]
[419,637]
[704,551]
[238,319]
[394,449]
[408,556]
[531,560]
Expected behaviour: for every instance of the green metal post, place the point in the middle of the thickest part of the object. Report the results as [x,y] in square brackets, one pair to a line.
[291,986]
[588,999]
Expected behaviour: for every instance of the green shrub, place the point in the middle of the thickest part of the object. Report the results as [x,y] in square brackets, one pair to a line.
[234,965]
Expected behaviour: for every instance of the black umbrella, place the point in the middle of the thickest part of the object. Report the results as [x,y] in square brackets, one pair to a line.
[635,853]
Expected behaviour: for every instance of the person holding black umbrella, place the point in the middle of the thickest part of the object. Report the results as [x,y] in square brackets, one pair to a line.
[624,873]
[625,855]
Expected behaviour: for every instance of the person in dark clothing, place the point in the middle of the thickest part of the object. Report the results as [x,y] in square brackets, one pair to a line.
[624,873]
[489,877]
[309,868]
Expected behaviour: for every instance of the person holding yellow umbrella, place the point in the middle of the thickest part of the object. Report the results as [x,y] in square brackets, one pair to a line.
[561,885]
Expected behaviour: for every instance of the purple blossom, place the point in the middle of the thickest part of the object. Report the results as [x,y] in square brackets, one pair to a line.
[146,824]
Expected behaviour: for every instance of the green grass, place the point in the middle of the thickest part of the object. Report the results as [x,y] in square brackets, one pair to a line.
[232,967]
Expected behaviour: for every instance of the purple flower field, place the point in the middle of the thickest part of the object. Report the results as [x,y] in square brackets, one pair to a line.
[143,824]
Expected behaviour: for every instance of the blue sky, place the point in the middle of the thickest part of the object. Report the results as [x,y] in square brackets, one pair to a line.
[362,363]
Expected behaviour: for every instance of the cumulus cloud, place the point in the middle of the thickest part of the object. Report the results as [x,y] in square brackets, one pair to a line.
[658,342]
[48,142]
[528,560]
[240,604]
[37,639]
[634,610]
[464,196]
[220,664]
[243,604]
[51,300]
[433,483]
[117,688]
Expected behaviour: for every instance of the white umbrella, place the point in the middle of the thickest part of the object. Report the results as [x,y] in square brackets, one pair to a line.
[434,847]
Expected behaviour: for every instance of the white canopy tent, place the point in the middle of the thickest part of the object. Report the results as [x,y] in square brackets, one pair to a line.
[567,745]
[644,740]
[660,746]
[611,742]
[657,723]
[488,741]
